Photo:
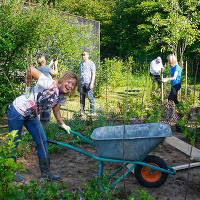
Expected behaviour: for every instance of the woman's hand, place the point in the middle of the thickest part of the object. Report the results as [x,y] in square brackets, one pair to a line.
[164,80]
[65,127]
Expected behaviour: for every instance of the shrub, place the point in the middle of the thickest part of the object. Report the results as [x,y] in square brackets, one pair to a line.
[7,165]
[26,33]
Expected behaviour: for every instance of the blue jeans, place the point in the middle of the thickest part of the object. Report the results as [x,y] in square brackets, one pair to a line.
[16,121]
[85,89]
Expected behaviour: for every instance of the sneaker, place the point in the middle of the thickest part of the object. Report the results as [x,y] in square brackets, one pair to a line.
[18,178]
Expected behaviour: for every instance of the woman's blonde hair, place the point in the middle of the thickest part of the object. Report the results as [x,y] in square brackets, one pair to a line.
[172,59]
[66,76]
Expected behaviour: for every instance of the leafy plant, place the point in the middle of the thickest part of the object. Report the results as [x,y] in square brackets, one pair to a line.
[51,190]
[140,195]
[7,164]
[24,147]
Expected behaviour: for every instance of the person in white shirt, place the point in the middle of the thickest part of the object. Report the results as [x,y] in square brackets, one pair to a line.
[155,70]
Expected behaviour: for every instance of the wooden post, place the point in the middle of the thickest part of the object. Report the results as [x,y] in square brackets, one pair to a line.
[179,92]
[162,96]
[186,78]
[195,80]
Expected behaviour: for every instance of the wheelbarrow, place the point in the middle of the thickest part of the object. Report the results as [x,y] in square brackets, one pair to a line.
[129,144]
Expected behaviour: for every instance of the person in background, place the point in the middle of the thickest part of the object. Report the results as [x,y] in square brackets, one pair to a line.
[49,71]
[175,71]
[155,70]
[24,111]
[87,78]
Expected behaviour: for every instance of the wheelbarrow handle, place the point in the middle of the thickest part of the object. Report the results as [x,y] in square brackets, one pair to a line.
[52,141]
[83,137]
[173,171]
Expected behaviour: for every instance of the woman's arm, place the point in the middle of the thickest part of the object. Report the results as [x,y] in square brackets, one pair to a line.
[31,73]
[54,70]
[56,112]
[172,78]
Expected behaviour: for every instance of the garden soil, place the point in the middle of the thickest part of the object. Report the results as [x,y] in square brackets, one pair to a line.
[77,169]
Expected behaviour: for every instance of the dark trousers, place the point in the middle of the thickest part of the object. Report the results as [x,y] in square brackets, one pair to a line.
[84,89]
[155,78]
[174,92]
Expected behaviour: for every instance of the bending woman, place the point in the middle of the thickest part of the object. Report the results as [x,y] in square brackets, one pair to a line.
[45,95]
[175,71]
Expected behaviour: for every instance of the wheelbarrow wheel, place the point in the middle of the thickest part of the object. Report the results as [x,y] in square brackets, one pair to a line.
[149,178]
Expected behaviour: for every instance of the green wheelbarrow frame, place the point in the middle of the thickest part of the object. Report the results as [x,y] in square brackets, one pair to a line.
[101,160]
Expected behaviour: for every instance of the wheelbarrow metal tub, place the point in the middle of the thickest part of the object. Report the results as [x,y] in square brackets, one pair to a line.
[129,142]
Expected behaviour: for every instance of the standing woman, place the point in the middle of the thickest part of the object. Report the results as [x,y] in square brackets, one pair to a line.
[175,71]
[24,110]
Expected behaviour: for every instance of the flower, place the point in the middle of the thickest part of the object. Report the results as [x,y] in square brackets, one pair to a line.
[81,198]
[81,191]
[62,191]
[76,182]
[72,191]
[24,182]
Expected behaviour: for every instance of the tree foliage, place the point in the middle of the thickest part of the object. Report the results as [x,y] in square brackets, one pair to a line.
[141,28]
[27,32]
[174,24]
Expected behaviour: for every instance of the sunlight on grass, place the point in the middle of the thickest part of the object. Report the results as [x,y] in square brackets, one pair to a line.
[107,101]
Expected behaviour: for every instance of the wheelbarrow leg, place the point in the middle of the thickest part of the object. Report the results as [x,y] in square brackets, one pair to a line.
[100,173]
[115,172]
[123,176]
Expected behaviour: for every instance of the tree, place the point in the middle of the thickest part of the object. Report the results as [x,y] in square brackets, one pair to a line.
[174,24]
[26,33]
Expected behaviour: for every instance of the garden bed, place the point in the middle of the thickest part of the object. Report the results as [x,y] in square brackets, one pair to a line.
[77,169]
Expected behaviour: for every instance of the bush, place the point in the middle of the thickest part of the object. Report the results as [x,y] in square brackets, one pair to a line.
[26,33]
[7,165]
